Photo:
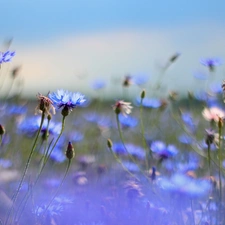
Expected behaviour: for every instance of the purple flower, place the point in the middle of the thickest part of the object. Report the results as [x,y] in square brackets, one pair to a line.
[128,121]
[162,150]
[211,62]
[6,57]
[184,185]
[133,150]
[140,79]
[98,84]
[149,102]
[67,100]
[63,98]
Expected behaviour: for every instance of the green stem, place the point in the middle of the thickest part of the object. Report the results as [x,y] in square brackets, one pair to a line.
[64,177]
[26,167]
[220,163]
[143,135]
[209,159]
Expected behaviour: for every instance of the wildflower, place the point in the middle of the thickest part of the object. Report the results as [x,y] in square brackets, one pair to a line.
[67,100]
[122,107]
[140,79]
[6,57]
[211,63]
[98,84]
[213,114]
[128,121]
[149,102]
[162,150]
[185,185]
[45,105]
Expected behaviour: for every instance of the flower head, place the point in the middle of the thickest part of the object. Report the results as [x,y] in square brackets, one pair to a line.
[213,114]
[67,100]
[45,105]
[122,107]
[211,62]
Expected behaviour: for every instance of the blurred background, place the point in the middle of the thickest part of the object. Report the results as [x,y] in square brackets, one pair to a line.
[72,44]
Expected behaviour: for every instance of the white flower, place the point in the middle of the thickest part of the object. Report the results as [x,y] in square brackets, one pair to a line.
[122,107]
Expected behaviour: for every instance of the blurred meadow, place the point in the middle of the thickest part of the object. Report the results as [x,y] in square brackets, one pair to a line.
[112,113]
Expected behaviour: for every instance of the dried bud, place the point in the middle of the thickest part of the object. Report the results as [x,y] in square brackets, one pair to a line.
[210,136]
[2,130]
[109,143]
[174,57]
[143,94]
[220,122]
[70,153]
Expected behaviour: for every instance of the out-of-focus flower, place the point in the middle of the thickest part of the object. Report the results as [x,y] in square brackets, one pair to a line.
[184,185]
[6,57]
[134,150]
[140,79]
[127,81]
[133,190]
[67,100]
[211,63]
[162,150]
[45,105]
[149,102]
[185,139]
[31,125]
[213,114]
[98,84]
[128,121]
[122,107]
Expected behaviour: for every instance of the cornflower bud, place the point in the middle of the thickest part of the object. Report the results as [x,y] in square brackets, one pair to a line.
[143,94]
[70,153]
[2,130]
[109,143]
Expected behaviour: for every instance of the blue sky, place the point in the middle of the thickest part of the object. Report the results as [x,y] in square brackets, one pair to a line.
[106,38]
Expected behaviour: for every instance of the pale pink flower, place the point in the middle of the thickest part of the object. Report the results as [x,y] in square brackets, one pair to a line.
[213,114]
[122,107]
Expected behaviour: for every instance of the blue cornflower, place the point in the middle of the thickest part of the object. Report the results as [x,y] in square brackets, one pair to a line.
[6,57]
[67,100]
[98,84]
[162,150]
[187,186]
[58,155]
[133,150]
[149,102]
[140,79]
[128,121]
[185,139]
[211,62]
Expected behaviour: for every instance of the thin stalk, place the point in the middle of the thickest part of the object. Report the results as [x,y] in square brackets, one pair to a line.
[26,168]
[143,135]
[209,158]
[119,161]
[64,177]
[122,139]
[220,162]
